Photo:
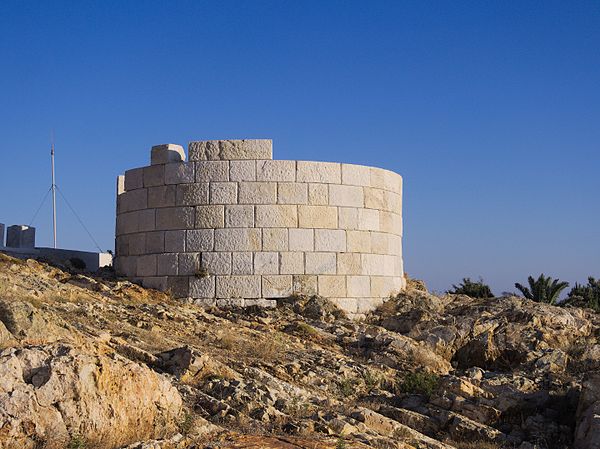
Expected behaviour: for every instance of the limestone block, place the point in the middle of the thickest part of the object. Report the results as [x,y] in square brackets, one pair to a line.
[383,286]
[188,264]
[134,179]
[154,176]
[398,267]
[162,196]
[205,302]
[385,179]
[366,305]
[242,171]
[126,223]
[179,173]
[212,171]
[175,241]
[275,239]
[348,305]
[202,287]
[301,239]
[238,287]
[318,194]
[239,216]
[266,263]
[389,265]
[374,198]
[133,200]
[261,302]
[230,302]
[380,243]
[164,154]
[242,263]
[322,172]
[332,286]
[349,263]
[292,193]
[368,220]
[257,193]
[155,242]
[126,266]
[392,202]
[167,264]
[390,222]
[358,286]
[395,242]
[146,265]
[320,263]
[223,192]
[318,217]
[155,282]
[137,244]
[356,175]
[358,241]
[291,263]
[121,243]
[178,286]
[270,170]
[304,285]
[277,286]
[349,196]
[168,218]
[192,194]
[120,184]
[276,216]
[147,220]
[373,264]
[198,240]
[215,263]
[348,218]
[232,239]
[330,240]
[210,216]
[230,149]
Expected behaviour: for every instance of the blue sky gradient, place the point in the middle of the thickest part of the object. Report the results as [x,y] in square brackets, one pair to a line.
[489,110]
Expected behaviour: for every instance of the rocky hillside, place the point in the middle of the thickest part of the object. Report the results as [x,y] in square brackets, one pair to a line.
[102,363]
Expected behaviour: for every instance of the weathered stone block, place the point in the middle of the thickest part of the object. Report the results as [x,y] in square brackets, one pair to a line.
[121,243]
[242,263]
[192,194]
[126,223]
[382,286]
[231,149]
[223,192]
[266,263]
[230,302]
[358,241]
[199,240]
[134,179]
[348,305]
[175,241]
[146,265]
[120,184]
[276,216]
[276,286]
[318,194]
[179,173]
[161,196]
[133,200]
[368,220]
[167,264]
[212,171]
[356,175]
[374,198]
[154,176]
[166,153]
[330,240]
[317,217]
[137,244]
[270,170]
[155,282]
[332,286]
[349,263]
[238,287]
[380,243]
[174,218]
[322,172]
[178,286]
[239,216]
[320,263]
[358,286]
[301,239]
[349,196]
[232,239]
[292,193]
[390,222]
[155,242]
[126,266]
[348,218]
[291,263]
[258,193]
[304,284]
[216,263]
[275,239]
[202,287]
[385,179]
[210,216]
[188,264]
[147,220]
[242,171]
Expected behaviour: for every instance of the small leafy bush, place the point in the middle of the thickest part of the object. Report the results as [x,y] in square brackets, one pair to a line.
[543,289]
[473,289]
[420,383]
[585,295]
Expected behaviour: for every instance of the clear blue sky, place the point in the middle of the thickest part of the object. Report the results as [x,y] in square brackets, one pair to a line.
[490,110]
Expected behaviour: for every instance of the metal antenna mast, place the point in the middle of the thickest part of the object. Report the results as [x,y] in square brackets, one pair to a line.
[53,189]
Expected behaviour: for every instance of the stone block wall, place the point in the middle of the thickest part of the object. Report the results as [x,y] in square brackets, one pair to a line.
[234,227]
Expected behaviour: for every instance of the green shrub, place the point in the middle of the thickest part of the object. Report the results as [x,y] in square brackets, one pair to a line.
[473,289]
[543,289]
[584,295]
[420,383]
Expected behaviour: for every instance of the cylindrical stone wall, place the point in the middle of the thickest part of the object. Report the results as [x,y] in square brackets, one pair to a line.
[234,227]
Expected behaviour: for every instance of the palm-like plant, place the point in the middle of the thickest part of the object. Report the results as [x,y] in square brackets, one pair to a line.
[543,289]
[585,295]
